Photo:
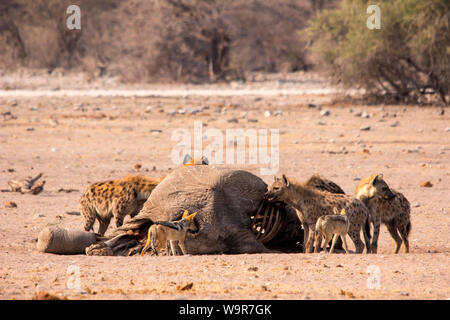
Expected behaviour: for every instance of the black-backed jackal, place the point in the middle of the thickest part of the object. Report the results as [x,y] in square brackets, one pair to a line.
[162,231]
[331,227]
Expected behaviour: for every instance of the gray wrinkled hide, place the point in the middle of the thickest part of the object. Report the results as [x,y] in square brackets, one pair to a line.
[224,199]
[64,241]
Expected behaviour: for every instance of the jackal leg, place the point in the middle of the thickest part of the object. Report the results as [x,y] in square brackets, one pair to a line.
[344,242]
[173,247]
[327,239]
[183,249]
[333,243]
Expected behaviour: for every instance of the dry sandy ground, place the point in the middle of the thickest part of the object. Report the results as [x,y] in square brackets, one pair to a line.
[76,141]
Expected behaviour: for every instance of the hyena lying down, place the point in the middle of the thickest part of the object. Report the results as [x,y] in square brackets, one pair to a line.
[312,204]
[386,206]
[327,226]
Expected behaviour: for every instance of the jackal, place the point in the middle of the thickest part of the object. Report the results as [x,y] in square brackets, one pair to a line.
[386,206]
[312,204]
[327,226]
[163,231]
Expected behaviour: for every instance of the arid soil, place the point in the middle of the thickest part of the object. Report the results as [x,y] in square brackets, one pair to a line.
[79,140]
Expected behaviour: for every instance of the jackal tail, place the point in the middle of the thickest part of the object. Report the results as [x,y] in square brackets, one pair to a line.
[169,224]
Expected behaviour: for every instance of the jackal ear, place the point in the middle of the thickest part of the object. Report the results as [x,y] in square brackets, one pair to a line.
[185,214]
[187,159]
[285,180]
[275,178]
[191,216]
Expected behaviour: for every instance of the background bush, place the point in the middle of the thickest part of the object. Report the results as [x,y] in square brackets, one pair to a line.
[408,57]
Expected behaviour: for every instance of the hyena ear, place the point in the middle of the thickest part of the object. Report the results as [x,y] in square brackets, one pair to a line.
[374,179]
[185,214]
[191,216]
[205,160]
[187,159]
[285,181]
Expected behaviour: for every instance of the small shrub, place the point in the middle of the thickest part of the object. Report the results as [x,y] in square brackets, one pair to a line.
[408,57]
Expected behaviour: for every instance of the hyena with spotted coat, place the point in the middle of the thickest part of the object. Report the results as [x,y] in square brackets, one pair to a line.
[386,206]
[314,203]
[115,198]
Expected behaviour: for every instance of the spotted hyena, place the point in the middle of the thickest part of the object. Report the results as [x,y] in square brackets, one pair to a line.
[312,204]
[386,206]
[119,198]
[115,198]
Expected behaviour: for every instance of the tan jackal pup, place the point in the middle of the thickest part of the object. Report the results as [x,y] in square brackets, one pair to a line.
[314,203]
[327,226]
[163,231]
[386,206]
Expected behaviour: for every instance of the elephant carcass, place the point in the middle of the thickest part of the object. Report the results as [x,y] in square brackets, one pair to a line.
[226,201]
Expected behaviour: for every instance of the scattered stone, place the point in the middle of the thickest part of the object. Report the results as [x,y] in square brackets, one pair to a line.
[233,120]
[10,204]
[73,213]
[187,286]
[395,124]
[67,190]
[416,205]
[325,113]
[30,129]
[137,166]
[426,184]
[252,120]
[148,109]
[321,123]
[447,129]
[43,295]
[311,105]
[365,115]
[441,112]
[155,130]
[365,128]
[358,114]
[267,114]
[252,269]
[278,113]
[257,99]
[348,294]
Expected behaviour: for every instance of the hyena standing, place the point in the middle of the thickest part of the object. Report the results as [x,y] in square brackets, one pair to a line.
[115,198]
[314,203]
[386,206]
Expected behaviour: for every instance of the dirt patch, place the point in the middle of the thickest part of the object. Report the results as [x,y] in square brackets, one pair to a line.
[76,141]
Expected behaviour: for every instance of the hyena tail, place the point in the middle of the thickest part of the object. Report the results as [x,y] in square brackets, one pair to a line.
[367,227]
[408,228]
